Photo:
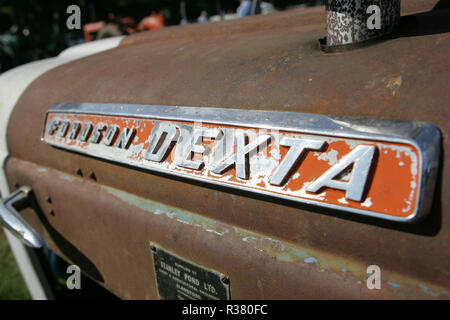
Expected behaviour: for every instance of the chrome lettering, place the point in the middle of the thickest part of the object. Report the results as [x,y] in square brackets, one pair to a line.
[362,158]
[240,157]
[161,139]
[298,147]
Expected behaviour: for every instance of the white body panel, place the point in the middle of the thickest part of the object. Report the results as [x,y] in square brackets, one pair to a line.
[12,84]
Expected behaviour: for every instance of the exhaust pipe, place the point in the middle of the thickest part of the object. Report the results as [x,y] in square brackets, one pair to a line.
[354,21]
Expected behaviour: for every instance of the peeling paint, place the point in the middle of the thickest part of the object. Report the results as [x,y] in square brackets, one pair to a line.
[393,284]
[427,290]
[68,177]
[394,84]
[367,203]
[310,260]
[399,204]
[283,251]
[209,225]
[330,157]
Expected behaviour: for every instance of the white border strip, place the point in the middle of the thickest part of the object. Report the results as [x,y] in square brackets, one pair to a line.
[12,85]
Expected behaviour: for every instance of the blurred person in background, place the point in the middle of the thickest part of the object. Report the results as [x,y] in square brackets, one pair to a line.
[244,9]
[152,22]
[248,8]
[203,17]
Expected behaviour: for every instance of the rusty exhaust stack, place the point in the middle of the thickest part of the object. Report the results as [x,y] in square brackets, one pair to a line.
[354,21]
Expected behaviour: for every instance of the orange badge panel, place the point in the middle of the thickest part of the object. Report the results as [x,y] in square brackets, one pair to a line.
[392,187]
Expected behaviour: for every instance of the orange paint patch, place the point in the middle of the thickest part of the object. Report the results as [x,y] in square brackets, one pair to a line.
[391,189]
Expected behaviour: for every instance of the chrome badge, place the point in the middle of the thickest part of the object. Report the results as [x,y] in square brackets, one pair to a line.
[380,168]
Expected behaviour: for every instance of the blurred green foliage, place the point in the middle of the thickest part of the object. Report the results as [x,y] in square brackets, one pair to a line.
[12,285]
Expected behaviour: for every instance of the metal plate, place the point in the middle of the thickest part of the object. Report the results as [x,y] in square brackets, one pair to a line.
[179,279]
[379,168]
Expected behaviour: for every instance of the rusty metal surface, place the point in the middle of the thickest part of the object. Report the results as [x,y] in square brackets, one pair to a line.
[277,68]
[417,6]
[276,21]
[109,238]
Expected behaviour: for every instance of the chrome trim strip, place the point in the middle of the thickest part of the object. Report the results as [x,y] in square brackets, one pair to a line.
[11,219]
[425,137]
